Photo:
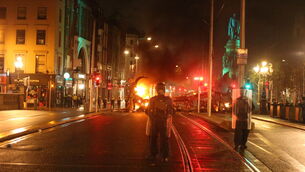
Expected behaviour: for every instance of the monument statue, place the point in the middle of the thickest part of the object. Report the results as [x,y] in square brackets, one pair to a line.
[229,59]
[233,28]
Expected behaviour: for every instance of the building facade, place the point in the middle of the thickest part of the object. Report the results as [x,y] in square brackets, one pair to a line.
[31,45]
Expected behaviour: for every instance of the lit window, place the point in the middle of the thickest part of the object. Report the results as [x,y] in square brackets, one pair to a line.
[21,13]
[2,13]
[41,37]
[19,63]
[60,15]
[42,13]
[41,61]
[20,36]
[59,39]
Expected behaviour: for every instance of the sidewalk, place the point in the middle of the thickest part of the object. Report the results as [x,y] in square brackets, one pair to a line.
[225,120]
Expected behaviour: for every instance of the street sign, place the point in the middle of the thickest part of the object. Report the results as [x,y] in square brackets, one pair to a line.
[242,56]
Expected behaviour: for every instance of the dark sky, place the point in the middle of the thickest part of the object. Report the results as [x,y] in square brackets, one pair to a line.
[181,26]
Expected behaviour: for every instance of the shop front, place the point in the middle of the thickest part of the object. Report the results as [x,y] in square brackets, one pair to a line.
[35,87]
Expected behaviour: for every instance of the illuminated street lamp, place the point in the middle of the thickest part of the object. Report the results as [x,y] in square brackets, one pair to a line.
[262,70]
[199,79]
[149,38]
[137,58]
[126,52]
[157,46]
[18,65]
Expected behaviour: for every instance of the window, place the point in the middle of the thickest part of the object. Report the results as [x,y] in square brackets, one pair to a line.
[41,37]
[42,13]
[21,13]
[41,61]
[20,37]
[1,63]
[59,39]
[2,40]
[2,13]
[60,16]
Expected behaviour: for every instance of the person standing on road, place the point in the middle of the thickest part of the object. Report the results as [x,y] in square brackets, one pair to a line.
[104,103]
[112,101]
[242,110]
[159,111]
[119,103]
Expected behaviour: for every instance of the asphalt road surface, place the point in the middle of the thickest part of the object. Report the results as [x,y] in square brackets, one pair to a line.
[113,142]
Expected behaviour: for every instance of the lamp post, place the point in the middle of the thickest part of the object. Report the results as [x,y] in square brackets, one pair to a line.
[263,70]
[137,58]
[18,65]
[199,79]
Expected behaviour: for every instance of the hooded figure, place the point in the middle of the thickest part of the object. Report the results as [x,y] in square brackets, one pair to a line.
[159,111]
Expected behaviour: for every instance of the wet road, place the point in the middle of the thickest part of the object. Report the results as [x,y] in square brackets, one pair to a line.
[113,142]
[12,121]
[280,147]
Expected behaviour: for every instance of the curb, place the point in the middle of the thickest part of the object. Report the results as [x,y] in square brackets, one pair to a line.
[44,127]
[280,123]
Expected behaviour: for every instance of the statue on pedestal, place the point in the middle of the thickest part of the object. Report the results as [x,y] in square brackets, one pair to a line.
[229,62]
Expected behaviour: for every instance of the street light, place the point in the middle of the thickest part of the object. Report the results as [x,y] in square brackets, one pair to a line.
[126,52]
[149,38]
[199,79]
[137,58]
[18,65]
[262,70]
[156,46]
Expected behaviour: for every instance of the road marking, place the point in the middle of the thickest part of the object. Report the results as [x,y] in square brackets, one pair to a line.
[281,154]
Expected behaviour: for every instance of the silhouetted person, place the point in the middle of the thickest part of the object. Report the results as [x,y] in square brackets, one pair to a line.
[242,110]
[159,111]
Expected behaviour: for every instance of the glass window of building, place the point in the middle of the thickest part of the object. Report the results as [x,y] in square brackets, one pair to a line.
[21,13]
[41,37]
[60,16]
[1,63]
[2,40]
[20,36]
[59,39]
[2,13]
[41,61]
[42,13]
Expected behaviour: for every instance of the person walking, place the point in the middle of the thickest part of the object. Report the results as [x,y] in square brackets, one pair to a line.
[119,103]
[104,103]
[112,101]
[242,110]
[159,111]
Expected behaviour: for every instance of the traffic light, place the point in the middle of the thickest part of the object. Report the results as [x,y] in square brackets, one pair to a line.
[96,79]
[248,85]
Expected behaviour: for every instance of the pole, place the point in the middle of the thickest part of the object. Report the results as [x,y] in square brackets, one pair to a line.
[92,65]
[241,66]
[259,90]
[211,58]
[50,92]
[96,100]
[198,107]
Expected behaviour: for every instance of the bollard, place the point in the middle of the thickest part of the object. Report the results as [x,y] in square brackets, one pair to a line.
[278,110]
[271,110]
[291,114]
[287,107]
[283,111]
[297,113]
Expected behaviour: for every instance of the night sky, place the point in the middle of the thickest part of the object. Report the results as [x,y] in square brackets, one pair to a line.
[181,26]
